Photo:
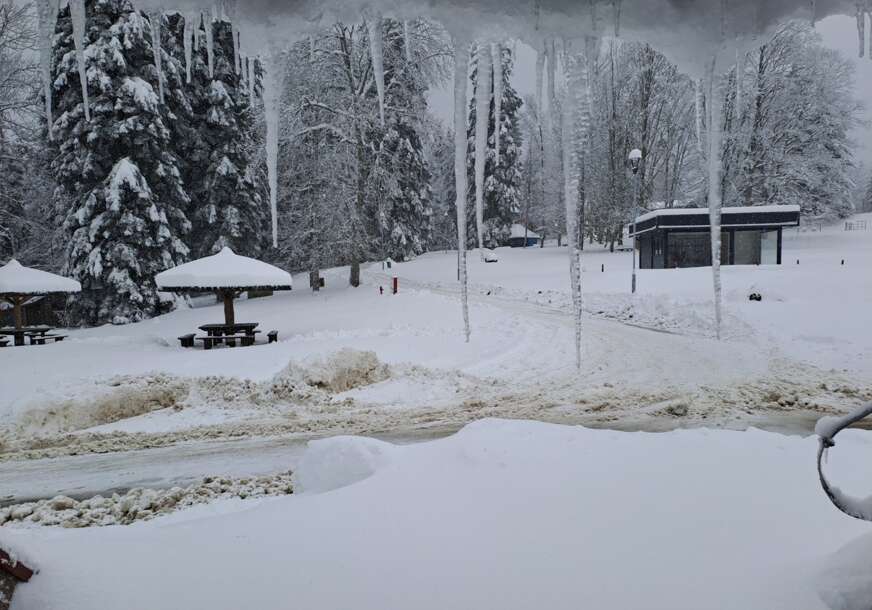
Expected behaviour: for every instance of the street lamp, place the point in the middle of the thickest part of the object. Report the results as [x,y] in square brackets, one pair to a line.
[635,160]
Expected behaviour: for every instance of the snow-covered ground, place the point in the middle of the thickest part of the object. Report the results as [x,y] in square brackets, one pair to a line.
[509,515]
[354,361]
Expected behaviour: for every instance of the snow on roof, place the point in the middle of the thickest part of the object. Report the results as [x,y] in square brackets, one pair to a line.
[224,270]
[518,232]
[758,209]
[18,279]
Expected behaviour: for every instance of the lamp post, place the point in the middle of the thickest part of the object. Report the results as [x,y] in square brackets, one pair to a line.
[635,160]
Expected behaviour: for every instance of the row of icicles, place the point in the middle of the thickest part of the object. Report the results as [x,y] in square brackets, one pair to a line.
[864,8]
[47,12]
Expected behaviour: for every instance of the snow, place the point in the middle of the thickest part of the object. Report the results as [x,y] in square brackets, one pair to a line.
[482,94]
[376,49]
[504,514]
[764,209]
[125,173]
[224,270]
[17,279]
[843,582]
[77,12]
[520,231]
[340,461]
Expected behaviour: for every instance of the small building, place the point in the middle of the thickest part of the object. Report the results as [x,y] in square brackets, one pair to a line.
[522,237]
[676,238]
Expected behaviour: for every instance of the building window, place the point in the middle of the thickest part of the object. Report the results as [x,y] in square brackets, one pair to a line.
[693,249]
[748,247]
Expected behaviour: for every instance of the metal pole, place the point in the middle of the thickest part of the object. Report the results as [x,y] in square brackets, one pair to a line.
[633,211]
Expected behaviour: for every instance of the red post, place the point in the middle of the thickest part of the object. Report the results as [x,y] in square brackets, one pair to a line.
[396,285]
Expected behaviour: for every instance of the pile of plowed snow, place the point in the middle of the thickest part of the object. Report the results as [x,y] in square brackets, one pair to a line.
[140,504]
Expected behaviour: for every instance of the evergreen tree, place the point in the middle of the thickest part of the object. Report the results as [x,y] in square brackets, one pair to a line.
[400,167]
[120,184]
[502,184]
[226,192]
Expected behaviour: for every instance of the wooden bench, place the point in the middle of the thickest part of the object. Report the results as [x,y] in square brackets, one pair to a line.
[187,340]
[37,339]
[4,342]
[228,340]
[272,336]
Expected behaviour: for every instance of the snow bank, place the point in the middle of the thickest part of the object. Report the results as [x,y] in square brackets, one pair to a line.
[340,461]
[18,279]
[224,270]
[508,515]
[845,582]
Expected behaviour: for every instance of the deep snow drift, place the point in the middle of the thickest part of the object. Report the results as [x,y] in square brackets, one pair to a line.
[509,515]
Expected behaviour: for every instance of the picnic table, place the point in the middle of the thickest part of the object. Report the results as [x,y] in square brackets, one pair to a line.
[19,334]
[223,330]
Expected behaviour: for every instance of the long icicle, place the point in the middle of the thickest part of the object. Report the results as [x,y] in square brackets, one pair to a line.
[47,12]
[482,123]
[574,123]
[497,50]
[154,21]
[616,6]
[461,69]
[407,41]
[188,34]
[861,26]
[714,105]
[209,24]
[376,48]
[249,68]
[77,13]
[271,100]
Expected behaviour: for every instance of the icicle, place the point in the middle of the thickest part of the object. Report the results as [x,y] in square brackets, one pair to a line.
[813,13]
[497,50]
[249,68]
[699,122]
[374,23]
[197,19]
[77,12]
[407,41]
[482,122]
[861,26]
[714,105]
[461,69]
[740,74]
[540,76]
[616,5]
[47,11]
[271,98]
[154,20]
[574,123]
[238,53]
[188,35]
[210,44]
[311,49]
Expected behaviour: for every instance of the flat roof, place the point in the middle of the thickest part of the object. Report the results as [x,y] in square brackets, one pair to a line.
[758,209]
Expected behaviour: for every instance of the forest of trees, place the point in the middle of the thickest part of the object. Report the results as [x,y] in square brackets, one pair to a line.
[164,160]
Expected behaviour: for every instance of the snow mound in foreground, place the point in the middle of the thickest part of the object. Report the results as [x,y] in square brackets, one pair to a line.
[845,583]
[340,461]
[345,370]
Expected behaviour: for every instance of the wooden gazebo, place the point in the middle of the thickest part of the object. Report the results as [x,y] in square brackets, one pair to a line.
[18,284]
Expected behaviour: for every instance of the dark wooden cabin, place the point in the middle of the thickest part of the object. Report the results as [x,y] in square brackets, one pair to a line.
[681,237]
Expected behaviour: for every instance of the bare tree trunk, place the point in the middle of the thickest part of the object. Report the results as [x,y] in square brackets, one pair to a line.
[354,276]
[315,280]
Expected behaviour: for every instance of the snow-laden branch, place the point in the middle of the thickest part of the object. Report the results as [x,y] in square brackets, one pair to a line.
[827,428]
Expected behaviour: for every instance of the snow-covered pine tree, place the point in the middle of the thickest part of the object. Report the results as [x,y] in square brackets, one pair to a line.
[226,192]
[125,219]
[502,185]
[400,166]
